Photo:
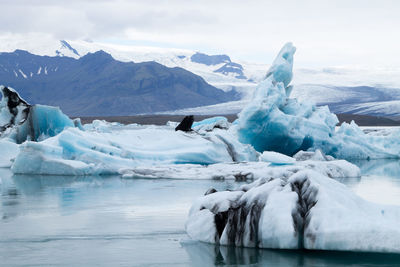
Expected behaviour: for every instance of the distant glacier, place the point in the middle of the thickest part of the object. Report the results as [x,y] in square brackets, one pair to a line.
[359,90]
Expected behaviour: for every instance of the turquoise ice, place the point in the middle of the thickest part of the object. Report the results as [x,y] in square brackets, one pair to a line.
[275,122]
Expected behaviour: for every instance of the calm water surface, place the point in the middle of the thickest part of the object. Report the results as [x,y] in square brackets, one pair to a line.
[103,221]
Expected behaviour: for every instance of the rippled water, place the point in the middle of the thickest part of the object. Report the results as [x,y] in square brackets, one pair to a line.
[50,220]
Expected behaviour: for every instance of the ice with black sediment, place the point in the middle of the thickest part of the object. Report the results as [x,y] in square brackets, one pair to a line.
[295,210]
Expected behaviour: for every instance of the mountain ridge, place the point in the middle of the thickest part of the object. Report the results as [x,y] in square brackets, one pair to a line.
[97,84]
[318,85]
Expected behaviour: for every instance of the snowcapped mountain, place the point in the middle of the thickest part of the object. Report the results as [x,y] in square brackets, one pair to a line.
[219,71]
[98,85]
[339,87]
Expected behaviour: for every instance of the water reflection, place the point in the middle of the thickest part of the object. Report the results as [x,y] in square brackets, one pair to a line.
[145,220]
[203,254]
[379,183]
[380,167]
[10,199]
[31,185]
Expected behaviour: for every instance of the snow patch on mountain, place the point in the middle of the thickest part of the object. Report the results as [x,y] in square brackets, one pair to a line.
[319,85]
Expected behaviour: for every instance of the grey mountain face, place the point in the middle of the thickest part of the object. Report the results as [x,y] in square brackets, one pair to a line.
[232,67]
[209,60]
[98,85]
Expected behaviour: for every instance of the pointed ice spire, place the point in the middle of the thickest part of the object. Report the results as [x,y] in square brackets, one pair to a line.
[282,67]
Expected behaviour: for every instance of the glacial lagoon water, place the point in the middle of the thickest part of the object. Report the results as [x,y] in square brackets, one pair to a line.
[109,221]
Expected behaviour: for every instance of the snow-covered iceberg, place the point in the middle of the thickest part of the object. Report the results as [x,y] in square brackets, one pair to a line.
[295,210]
[273,121]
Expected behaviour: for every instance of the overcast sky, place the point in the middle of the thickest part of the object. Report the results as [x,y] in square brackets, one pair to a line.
[326,33]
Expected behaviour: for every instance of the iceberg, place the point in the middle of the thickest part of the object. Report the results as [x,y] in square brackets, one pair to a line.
[207,125]
[273,121]
[106,152]
[13,109]
[9,150]
[21,121]
[276,158]
[243,171]
[294,210]
[42,122]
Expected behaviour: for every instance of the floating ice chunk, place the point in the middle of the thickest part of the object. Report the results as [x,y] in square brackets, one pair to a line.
[108,152]
[282,67]
[276,158]
[241,171]
[349,142]
[13,108]
[21,121]
[102,126]
[220,171]
[274,122]
[42,122]
[297,210]
[78,123]
[9,151]
[206,223]
[44,158]
[312,155]
[210,123]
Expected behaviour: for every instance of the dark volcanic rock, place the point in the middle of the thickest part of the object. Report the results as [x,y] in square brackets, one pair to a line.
[15,104]
[209,60]
[186,124]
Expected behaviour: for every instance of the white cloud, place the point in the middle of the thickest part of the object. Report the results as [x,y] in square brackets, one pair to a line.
[326,32]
